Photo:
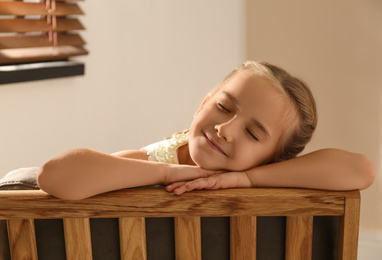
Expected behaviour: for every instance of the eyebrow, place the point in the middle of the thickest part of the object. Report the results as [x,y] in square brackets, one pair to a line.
[232,98]
[261,127]
[254,121]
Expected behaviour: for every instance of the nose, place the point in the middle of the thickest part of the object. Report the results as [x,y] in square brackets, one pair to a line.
[225,130]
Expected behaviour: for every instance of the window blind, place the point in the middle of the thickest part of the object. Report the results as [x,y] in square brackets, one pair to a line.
[40,30]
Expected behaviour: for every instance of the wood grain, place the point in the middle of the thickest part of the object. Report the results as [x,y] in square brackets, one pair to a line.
[243,237]
[77,239]
[349,228]
[133,205]
[23,8]
[39,25]
[11,42]
[159,203]
[188,244]
[132,236]
[299,235]
[40,53]
[22,239]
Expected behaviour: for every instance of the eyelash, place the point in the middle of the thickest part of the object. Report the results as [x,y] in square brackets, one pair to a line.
[254,137]
[224,109]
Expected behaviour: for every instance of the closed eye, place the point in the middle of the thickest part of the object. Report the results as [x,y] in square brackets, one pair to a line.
[223,108]
[252,135]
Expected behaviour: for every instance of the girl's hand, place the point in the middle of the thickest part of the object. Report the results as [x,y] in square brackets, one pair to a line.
[180,172]
[213,182]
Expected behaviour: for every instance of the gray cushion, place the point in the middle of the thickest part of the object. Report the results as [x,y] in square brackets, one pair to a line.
[20,179]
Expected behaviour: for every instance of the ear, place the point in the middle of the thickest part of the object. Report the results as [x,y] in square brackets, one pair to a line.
[205,101]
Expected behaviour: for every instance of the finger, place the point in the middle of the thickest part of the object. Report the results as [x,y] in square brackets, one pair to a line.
[174,186]
[186,187]
[198,184]
[179,191]
[182,189]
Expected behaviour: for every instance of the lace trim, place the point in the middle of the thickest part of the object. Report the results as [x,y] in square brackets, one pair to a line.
[166,151]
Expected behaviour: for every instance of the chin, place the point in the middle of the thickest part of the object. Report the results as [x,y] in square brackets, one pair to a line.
[207,164]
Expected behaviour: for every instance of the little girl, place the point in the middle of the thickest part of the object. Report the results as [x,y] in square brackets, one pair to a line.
[246,133]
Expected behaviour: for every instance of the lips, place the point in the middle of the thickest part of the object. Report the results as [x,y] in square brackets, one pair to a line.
[214,145]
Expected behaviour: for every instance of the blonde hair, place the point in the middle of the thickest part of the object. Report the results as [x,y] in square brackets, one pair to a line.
[304,111]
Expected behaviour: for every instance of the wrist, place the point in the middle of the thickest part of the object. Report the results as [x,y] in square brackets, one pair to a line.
[251,177]
[166,172]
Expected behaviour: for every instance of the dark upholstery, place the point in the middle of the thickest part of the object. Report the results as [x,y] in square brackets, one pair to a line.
[160,233]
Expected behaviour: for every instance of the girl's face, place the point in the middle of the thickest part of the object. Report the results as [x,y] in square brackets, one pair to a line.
[239,127]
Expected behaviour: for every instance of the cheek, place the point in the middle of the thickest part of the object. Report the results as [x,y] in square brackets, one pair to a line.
[201,159]
[255,156]
[249,159]
[197,120]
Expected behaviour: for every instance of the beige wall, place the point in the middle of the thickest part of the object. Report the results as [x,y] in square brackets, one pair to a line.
[336,46]
[151,62]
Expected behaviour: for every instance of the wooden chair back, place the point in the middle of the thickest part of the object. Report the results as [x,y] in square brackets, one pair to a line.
[132,206]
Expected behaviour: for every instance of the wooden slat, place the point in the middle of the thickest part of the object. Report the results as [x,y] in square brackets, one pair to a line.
[160,203]
[188,244]
[77,239]
[40,41]
[63,9]
[132,236]
[22,8]
[349,228]
[243,238]
[40,54]
[38,25]
[299,235]
[22,239]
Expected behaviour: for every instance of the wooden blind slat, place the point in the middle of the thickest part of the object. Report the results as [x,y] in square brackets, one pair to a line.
[40,53]
[299,235]
[38,25]
[77,239]
[22,239]
[22,8]
[29,32]
[349,228]
[133,242]
[69,25]
[188,245]
[39,40]
[243,237]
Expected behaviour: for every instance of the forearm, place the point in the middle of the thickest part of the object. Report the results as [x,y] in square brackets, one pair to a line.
[329,169]
[82,173]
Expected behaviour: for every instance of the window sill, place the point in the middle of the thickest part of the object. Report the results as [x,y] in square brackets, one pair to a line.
[39,71]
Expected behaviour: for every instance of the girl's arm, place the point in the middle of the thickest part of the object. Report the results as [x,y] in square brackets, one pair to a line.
[82,173]
[329,169]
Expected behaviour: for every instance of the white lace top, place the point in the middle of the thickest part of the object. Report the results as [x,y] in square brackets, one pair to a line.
[166,150]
